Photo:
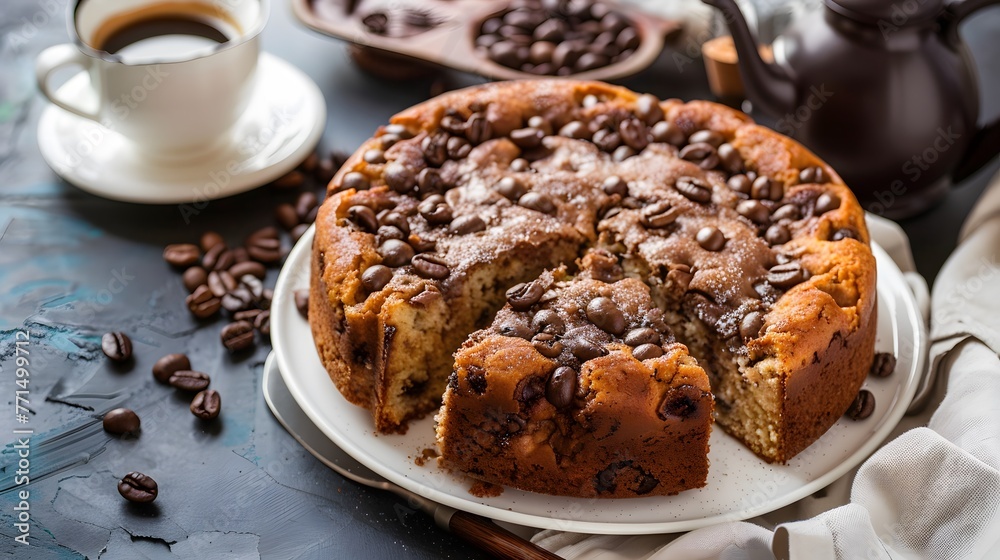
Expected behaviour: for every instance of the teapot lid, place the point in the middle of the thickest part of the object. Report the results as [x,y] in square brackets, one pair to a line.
[896,13]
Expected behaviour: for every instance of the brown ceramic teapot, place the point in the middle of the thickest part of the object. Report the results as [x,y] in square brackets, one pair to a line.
[883,90]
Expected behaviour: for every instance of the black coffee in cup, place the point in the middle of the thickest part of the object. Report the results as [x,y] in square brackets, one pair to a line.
[165,30]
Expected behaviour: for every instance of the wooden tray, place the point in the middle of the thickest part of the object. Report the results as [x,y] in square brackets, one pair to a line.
[450,41]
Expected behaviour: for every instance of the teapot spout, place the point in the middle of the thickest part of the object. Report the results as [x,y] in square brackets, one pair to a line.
[767,85]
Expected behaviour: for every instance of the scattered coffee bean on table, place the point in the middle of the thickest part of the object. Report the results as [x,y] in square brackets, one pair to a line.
[181,255]
[169,365]
[206,404]
[121,421]
[884,365]
[863,406]
[188,380]
[238,336]
[117,346]
[138,488]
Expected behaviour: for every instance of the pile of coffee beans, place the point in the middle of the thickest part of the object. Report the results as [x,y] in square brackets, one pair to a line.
[557,37]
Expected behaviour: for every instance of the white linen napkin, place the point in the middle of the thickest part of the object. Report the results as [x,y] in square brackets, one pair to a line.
[933,491]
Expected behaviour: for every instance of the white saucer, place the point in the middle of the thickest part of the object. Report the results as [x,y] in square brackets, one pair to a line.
[281,126]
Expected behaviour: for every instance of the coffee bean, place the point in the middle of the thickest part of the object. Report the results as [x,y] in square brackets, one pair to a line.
[395,219]
[520,165]
[666,132]
[844,233]
[238,336]
[117,346]
[168,365]
[452,124]
[694,189]
[510,188]
[252,268]
[301,298]
[399,177]
[527,138]
[239,255]
[740,183]
[634,133]
[252,285]
[787,275]
[606,140]
[547,345]
[622,153]
[431,266]
[647,108]
[305,205]
[561,387]
[786,212]
[575,129]
[883,365]
[700,153]
[355,180]
[605,314]
[538,202]
[210,239]
[395,253]
[221,283]
[478,129]
[363,217]
[264,246]
[709,137]
[298,231]
[237,300]
[731,160]
[753,210]
[458,148]
[206,404]
[710,238]
[660,214]
[291,180]
[813,175]
[202,303]
[777,234]
[194,277]
[246,315]
[435,147]
[647,352]
[615,185]
[516,329]
[435,210]
[181,255]
[386,233]
[642,335]
[548,321]
[763,188]
[286,216]
[374,156]
[468,224]
[262,322]
[522,296]
[325,171]
[430,181]
[188,380]
[121,421]
[376,277]
[862,407]
[827,202]
[751,324]
[138,488]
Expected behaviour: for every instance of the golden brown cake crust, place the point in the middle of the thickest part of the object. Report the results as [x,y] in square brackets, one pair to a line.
[816,341]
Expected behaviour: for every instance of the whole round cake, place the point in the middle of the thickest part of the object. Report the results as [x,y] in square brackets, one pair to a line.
[575,270]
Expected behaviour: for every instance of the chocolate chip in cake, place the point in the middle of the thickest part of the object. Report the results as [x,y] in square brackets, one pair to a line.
[605,314]
[701,153]
[694,189]
[730,158]
[826,202]
[467,224]
[642,335]
[575,129]
[844,233]
[188,380]
[548,321]
[237,336]
[777,234]
[510,188]
[202,303]
[181,255]
[667,132]
[561,387]
[647,351]
[660,214]
[711,238]
[138,488]
[522,296]
[787,275]
[883,365]
[431,266]
[754,211]
[121,421]
[538,202]
[376,277]
[615,185]
[647,108]
[740,183]
[530,389]
[547,345]
[786,212]
[764,188]
[751,324]
[813,175]
[355,180]
[680,402]
[862,407]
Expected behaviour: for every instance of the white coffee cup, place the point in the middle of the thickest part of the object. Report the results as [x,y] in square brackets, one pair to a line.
[171,103]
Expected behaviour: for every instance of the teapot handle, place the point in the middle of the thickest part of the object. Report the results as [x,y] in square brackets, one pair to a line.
[985,144]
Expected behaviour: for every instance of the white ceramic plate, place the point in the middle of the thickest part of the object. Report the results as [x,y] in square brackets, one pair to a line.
[281,126]
[740,485]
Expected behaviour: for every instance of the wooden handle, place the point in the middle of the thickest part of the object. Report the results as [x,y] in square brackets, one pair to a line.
[494,539]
